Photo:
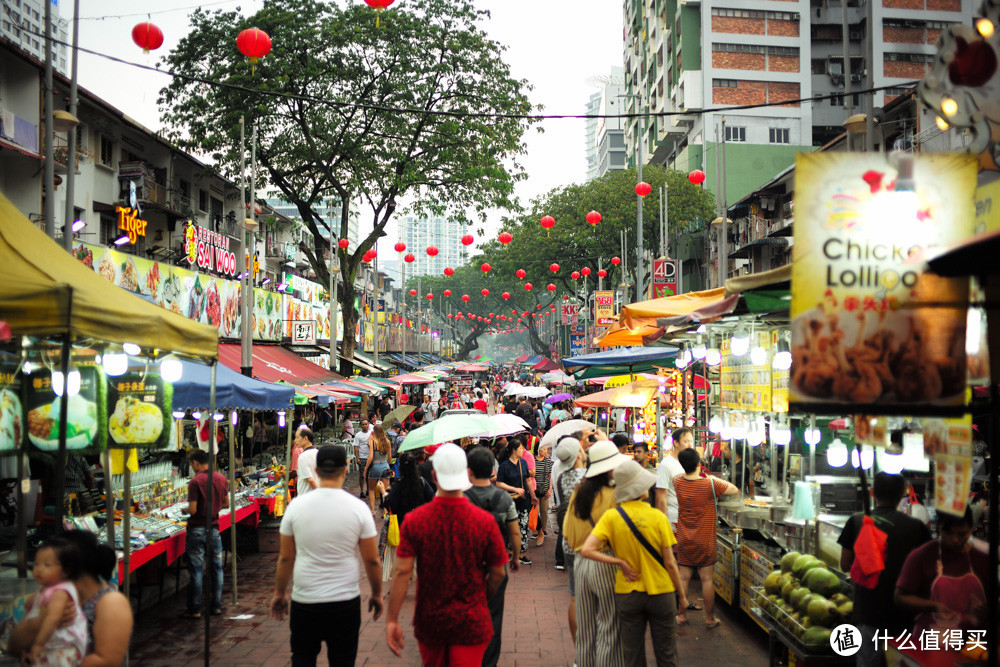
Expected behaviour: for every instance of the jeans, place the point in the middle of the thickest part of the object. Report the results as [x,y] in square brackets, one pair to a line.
[336,623]
[492,655]
[195,541]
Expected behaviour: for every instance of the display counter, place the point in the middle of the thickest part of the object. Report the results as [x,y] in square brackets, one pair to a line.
[725,575]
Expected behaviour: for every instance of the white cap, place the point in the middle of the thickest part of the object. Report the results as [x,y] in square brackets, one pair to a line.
[451,468]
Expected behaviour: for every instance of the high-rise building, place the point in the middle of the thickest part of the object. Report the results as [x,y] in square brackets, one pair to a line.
[419,233]
[330,212]
[696,56]
[23,22]
[606,136]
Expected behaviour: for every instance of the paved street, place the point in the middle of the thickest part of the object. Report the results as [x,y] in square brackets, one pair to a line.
[535,628]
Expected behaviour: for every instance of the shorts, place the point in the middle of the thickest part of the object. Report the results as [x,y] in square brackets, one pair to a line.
[377,470]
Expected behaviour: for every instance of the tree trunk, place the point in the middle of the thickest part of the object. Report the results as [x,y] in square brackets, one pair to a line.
[346,298]
[470,344]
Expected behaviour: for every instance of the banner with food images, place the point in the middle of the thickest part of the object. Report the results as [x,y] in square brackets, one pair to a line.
[871,330]
[139,411]
[11,410]
[86,410]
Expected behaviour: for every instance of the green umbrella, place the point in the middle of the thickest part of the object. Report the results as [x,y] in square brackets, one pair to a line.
[397,415]
[447,429]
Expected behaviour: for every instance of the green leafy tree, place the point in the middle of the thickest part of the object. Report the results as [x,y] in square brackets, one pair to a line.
[345,111]
[573,244]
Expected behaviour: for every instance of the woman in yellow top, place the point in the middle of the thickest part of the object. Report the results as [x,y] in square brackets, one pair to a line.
[598,641]
[648,575]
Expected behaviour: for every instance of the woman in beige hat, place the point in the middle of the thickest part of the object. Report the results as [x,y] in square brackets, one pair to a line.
[597,639]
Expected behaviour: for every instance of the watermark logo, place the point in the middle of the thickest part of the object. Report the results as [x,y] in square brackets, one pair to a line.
[845,640]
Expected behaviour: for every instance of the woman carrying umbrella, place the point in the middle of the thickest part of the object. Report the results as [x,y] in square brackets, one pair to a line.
[513,476]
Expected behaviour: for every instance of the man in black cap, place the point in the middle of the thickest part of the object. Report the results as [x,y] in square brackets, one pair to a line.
[321,534]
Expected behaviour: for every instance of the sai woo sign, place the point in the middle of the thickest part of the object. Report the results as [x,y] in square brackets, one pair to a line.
[208,250]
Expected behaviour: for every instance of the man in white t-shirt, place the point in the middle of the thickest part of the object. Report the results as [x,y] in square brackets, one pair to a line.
[361,450]
[305,468]
[670,467]
[322,533]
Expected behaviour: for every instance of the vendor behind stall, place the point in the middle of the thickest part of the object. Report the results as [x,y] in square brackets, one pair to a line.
[874,608]
[944,581]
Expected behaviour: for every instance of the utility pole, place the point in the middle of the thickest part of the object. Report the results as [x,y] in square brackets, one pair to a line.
[870,62]
[375,313]
[641,126]
[723,226]
[334,269]
[420,319]
[49,209]
[246,365]
[71,139]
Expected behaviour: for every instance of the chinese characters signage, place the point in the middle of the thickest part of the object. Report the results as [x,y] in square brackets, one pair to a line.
[870,330]
[304,331]
[85,417]
[569,314]
[139,407]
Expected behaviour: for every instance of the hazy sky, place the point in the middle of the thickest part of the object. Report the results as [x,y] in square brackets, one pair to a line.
[557,45]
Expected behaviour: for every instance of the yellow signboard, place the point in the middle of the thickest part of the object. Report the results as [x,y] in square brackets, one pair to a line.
[619,381]
[869,331]
[744,384]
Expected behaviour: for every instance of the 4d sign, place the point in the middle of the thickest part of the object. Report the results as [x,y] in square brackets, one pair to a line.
[208,250]
[129,222]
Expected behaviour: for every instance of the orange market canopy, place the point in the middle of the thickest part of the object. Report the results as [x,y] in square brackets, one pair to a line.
[635,394]
[46,292]
[637,321]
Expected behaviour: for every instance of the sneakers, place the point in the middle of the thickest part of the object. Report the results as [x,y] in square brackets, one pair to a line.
[560,567]
[524,560]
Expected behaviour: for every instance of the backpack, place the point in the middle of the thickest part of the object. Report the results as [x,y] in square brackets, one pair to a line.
[497,506]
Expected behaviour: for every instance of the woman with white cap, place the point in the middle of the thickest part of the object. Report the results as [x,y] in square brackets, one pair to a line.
[641,539]
[598,641]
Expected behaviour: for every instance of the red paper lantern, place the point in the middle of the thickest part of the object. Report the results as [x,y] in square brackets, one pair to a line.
[409,258]
[527,286]
[448,271]
[343,243]
[505,296]
[368,256]
[505,238]
[467,239]
[697,177]
[538,306]
[400,247]
[254,44]
[565,297]
[484,292]
[554,268]
[147,36]
[550,287]
[450,316]
[616,260]
[575,275]
[486,267]
[466,297]
[593,217]
[642,189]
[413,292]
[521,273]
[524,314]
[403,398]
[447,292]
[471,316]
[429,296]
[585,271]
[602,273]
[432,251]
[548,222]
[379,4]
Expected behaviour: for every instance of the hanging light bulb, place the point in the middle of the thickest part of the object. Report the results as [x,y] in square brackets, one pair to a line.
[699,350]
[713,357]
[715,424]
[812,434]
[781,434]
[234,418]
[57,383]
[115,364]
[27,368]
[171,370]
[281,419]
[855,459]
[726,433]
[70,383]
[177,414]
[890,463]
[680,361]
[836,454]
[196,415]
[739,428]
[867,456]
[755,434]
[782,359]
[739,344]
[218,416]
[131,349]
[758,356]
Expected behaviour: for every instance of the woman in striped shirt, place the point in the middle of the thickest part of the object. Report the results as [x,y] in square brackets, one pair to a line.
[695,529]
[543,469]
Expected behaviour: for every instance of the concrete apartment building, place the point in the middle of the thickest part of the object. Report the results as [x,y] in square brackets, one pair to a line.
[419,233]
[605,137]
[23,23]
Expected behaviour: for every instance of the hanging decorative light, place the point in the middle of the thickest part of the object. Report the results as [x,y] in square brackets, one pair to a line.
[528,286]
[643,188]
[400,247]
[147,36]
[484,292]
[548,222]
[616,260]
[467,239]
[409,258]
[697,177]
[593,217]
[739,344]
[432,251]
[447,292]
[505,238]
[505,296]
[812,434]
[430,296]
[601,273]
[585,271]
[254,44]
[521,273]
[171,370]
[485,268]
[343,243]
[413,292]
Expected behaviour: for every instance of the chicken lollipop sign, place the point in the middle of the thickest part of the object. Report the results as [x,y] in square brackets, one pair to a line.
[869,331]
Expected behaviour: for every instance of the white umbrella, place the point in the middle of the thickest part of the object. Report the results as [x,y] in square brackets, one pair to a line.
[513,388]
[506,424]
[533,392]
[567,427]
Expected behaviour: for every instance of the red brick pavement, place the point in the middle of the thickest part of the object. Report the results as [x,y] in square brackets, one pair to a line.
[535,628]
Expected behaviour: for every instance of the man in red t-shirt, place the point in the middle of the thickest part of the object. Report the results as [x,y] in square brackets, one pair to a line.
[197,535]
[461,558]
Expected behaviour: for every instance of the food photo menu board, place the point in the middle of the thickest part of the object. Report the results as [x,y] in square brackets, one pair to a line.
[85,409]
[139,411]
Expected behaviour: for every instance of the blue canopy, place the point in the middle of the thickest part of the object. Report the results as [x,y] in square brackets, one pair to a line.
[532,361]
[232,389]
[623,357]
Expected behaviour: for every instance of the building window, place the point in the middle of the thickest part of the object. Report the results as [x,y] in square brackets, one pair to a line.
[736,133]
[819,65]
[910,57]
[109,229]
[203,201]
[724,83]
[837,101]
[779,135]
[107,151]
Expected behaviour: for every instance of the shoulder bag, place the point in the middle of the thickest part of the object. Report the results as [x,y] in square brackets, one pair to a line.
[658,557]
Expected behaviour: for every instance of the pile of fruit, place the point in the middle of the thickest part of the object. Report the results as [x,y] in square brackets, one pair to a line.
[804,597]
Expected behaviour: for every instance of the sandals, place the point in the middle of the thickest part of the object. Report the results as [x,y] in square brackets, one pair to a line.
[713,624]
[693,607]
[681,621]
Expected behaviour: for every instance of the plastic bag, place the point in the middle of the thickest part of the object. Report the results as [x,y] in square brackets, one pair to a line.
[393,536]
[533,518]
[869,554]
